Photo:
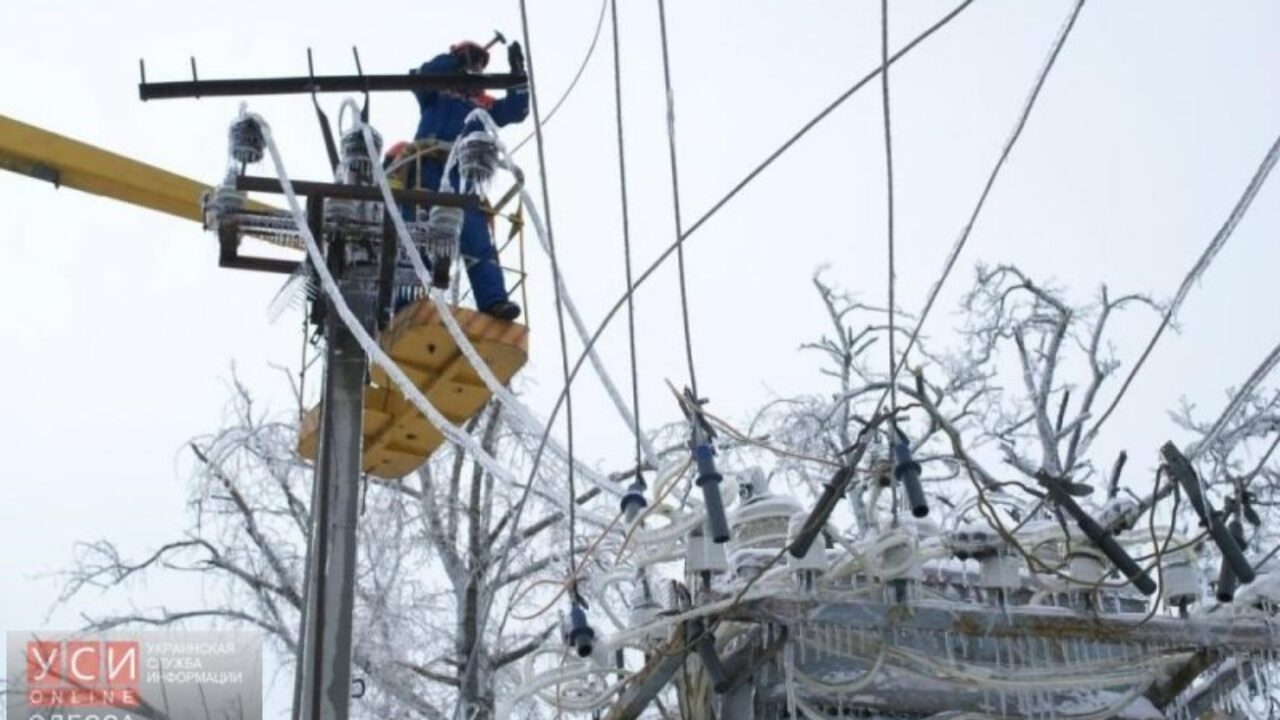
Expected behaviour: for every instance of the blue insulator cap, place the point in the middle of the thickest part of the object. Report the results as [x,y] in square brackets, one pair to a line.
[706,460]
[907,472]
[633,500]
[581,636]
[903,461]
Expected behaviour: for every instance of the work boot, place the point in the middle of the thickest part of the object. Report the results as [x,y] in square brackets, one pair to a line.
[503,310]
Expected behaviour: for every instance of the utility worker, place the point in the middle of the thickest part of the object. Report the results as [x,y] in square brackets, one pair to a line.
[443,113]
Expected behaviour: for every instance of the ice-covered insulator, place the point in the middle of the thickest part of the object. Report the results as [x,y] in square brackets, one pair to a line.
[1180,583]
[1228,581]
[709,480]
[355,152]
[644,608]
[245,140]
[477,155]
[580,637]
[1085,565]
[701,556]
[633,500]
[973,541]
[223,200]
[1000,571]
[1118,514]
[444,228]
[815,558]
[907,472]
[341,211]
[752,484]
[894,556]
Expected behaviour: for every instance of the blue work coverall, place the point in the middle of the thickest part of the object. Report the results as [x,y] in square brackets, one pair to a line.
[443,113]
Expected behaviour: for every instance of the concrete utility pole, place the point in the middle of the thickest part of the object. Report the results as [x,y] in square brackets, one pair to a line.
[322,688]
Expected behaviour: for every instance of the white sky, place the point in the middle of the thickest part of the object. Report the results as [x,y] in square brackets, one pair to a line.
[120,331]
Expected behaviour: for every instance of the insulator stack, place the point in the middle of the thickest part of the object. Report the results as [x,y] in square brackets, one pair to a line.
[355,152]
[341,211]
[444,228]
[1180,581]
[703,557]
[245,140]
[223,200]
[477,154]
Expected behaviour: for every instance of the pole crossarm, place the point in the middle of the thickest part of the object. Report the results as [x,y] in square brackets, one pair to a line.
[307,84]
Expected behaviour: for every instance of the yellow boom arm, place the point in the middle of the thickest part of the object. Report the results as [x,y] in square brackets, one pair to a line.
[65,162]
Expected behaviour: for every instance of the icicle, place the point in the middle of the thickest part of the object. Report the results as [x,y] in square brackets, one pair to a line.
[790,667]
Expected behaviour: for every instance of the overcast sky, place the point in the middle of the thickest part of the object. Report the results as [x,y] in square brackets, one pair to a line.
[120,332]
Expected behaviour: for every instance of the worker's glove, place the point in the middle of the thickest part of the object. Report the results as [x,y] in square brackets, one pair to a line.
[515,58]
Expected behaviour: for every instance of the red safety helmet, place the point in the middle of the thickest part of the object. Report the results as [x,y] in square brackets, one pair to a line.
[470,52]
[394,153]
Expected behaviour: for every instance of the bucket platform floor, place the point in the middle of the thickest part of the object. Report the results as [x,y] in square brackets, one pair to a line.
[397,438]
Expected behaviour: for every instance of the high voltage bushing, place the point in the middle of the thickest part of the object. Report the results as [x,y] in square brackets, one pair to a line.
[709,481]
[633,500]
[1227,580]
[831,493]
[1186,476]
[580,636]
[245,140]
[907,472]
[1103,540]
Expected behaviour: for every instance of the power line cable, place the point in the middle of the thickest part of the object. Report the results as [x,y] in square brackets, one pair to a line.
[666,254]
[626,230]
[888,164]
[1197,271]
[555,270]
[893,278]
[582,67]
[675,196]
[963,239]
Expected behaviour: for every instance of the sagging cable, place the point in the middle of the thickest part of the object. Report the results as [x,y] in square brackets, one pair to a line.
[579,326]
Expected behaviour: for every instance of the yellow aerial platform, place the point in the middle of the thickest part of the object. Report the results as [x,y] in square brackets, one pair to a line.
[397,438]
[62,161]
[58,159]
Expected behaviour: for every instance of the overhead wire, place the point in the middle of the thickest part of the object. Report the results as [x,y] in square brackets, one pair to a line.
[965,232]
[555,271]
[1195,273]
[888,164]
[582,67]
[666,254]
[1241,397]
[626,233]
[675,195]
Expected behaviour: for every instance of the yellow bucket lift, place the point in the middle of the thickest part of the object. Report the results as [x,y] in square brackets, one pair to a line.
[397,438]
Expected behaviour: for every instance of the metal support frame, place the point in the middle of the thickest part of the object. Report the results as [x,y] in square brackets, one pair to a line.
[322,688]
[304,85]
[252,183]
[229,256]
